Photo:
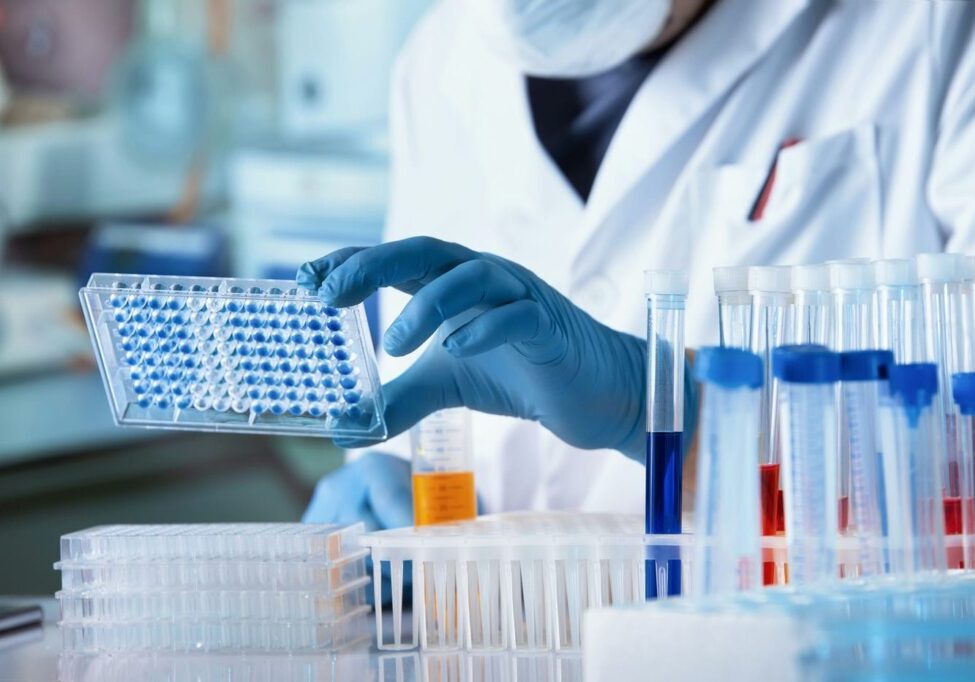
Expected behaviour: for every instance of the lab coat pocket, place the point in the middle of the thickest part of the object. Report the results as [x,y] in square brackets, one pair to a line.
[824,203]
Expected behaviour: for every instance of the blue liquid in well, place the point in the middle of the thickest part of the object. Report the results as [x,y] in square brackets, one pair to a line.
[665,464]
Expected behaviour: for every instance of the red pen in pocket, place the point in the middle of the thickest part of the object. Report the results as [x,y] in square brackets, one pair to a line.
[761,201]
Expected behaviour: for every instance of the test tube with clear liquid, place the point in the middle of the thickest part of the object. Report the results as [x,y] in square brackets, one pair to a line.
[898,310]
[808,376]
[852,286]
[443,468]
[912,472]
[945,280]
[772,309]
[864,387]
[666,296]
[727,550]
[813,305]
[734,307]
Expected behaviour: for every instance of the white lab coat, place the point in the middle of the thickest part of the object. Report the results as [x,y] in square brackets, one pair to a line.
[882,92]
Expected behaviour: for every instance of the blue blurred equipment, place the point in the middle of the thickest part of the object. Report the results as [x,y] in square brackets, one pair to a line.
[512,345]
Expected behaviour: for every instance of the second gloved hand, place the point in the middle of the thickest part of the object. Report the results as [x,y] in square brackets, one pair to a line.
[512,345]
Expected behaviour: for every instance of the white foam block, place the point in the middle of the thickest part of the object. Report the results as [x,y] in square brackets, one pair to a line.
[639,644]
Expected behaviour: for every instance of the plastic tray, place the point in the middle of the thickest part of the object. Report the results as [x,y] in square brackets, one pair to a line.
[215,635]
[252,356]
[212,541]
[213,575]
[107,606]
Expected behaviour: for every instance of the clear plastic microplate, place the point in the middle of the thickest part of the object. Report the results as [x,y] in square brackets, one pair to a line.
[286,556]
[206,541]
[252,356]
[516,582]
[98,606]
[216,635]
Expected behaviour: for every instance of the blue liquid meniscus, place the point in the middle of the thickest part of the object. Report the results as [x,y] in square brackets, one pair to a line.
[665,463]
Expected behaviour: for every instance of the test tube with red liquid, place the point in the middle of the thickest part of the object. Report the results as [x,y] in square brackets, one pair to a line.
[771,294]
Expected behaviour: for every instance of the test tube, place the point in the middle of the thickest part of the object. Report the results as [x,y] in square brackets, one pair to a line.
[666,293]
[943,286]
[864,375]
[898,309]
[727,553]
[852,285]
[734,307]
[771,292]
[807,376]
[963,390]
[443,468]
[813,304]
[912,472]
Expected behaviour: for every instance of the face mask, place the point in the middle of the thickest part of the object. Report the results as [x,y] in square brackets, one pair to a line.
[568,38]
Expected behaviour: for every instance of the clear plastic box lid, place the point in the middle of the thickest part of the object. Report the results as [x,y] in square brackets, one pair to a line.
[232,355]
[211,541]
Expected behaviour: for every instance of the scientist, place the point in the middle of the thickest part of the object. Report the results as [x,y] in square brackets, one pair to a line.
[549,151]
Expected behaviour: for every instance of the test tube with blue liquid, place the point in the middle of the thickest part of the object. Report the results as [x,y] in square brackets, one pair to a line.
[727,550]
[666,295]
[864,387]
[734,307]
[963,389]
[807,378]
[912,473]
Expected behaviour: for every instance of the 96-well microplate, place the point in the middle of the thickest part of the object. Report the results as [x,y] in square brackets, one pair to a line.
[252,356]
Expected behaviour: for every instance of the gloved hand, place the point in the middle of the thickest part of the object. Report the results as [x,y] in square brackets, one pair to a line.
[512,345]
[374,488]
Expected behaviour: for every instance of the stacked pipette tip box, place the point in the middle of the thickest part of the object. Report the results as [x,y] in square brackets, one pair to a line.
[213,588]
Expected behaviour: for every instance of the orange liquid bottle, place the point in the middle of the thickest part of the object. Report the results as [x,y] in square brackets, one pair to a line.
[443,469]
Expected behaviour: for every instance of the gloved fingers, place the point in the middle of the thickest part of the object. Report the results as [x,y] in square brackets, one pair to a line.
[413,261]
[472,283]
[523,320]
[311,274]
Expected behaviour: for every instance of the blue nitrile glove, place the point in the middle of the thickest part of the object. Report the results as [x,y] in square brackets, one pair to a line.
[512,344]
[374,488]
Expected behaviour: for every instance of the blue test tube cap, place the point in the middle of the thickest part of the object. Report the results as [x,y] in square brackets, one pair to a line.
[963,391]
[914,384]
[865,365]
[806,364]
[728,367]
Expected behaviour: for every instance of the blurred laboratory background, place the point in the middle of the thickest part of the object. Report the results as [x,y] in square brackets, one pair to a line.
[181,137]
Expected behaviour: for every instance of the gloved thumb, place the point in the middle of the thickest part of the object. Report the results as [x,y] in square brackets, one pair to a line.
[427,386]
